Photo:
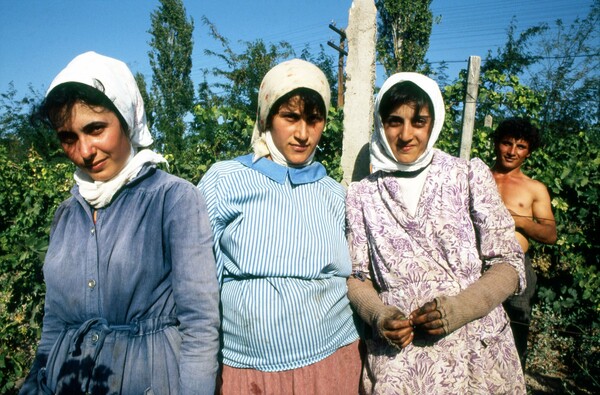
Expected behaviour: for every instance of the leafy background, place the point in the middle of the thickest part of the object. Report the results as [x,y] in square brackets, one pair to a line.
[550,78]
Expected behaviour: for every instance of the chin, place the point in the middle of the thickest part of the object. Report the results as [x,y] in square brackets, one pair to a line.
[296,160]
[101,177]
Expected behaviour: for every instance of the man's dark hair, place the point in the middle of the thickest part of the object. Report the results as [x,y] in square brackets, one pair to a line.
[519,129]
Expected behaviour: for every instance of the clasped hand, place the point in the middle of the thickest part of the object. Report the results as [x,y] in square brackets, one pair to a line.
[426,320]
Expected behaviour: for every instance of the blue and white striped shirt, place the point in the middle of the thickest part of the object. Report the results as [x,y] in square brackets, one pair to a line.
[283,261]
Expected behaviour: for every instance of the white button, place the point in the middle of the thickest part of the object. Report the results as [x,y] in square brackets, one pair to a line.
[93,230]
[95,337]
[92,283]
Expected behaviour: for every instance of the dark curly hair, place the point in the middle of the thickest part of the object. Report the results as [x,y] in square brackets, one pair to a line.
[519,129]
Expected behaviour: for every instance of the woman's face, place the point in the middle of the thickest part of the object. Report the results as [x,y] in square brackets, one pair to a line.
[296,133]
[408,133]
[93,139]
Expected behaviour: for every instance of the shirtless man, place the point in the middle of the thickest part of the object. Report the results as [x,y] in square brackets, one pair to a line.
[529,203]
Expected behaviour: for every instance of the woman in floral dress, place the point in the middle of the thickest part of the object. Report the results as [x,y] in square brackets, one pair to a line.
[434,255]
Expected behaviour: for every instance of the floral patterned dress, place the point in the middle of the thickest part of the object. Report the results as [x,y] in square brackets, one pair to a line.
[460,228]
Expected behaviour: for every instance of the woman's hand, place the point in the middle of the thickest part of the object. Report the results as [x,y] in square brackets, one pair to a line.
[428,319]
[396,328]
[388,321]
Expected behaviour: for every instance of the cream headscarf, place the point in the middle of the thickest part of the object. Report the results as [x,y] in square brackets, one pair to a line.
[382,157]
[115,80]
[282,79]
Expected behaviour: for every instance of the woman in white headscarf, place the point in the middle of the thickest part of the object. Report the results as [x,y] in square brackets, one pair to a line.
[278,223]
[131,285]
[434,255]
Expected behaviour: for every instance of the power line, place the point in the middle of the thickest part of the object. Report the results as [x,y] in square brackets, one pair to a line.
[474,29]
[533,57]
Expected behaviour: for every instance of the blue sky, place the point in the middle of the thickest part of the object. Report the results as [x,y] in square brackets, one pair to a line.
[39,37]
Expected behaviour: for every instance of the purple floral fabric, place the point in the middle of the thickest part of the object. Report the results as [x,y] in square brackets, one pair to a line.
[460,227]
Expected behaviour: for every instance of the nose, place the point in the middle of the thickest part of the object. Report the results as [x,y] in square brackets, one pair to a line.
[405,133]
[86,147]
[512,150]
[302,130]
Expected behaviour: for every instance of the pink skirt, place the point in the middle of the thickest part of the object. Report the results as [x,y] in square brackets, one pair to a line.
[339,373]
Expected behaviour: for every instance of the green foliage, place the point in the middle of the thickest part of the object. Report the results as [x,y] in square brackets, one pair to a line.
[17,133]
[30,191]
[147,98]
[574,185]
[560,64]
[327,65]
[564,345]
[240,80]
[171,62]
[568,73]
[566,323]
[329,151]
[218,133]
[403,31]
[516,55]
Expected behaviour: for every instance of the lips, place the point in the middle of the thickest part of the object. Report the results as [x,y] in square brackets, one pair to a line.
[404,148]
[97,166]
[300,148]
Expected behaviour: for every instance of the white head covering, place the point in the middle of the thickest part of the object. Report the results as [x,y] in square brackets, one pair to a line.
[280,80]
[382,157]
[115,80]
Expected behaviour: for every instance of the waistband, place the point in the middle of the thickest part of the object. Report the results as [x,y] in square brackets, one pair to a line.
[135,328]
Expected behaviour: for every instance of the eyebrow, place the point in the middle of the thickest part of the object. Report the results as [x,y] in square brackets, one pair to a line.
[414,117]
[93,125]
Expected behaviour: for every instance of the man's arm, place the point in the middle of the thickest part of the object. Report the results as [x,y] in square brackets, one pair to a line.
[541,227]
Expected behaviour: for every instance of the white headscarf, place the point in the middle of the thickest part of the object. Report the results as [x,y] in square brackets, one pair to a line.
[382,157]
[280,80]
[115,80]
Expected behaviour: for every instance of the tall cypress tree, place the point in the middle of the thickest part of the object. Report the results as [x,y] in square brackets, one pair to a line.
[404,27]
[171,62]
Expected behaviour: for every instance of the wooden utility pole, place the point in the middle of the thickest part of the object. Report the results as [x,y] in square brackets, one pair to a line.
[469,107]
[342,52]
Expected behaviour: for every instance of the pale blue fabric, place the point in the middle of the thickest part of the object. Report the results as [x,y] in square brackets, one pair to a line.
[132,301]
[283,258]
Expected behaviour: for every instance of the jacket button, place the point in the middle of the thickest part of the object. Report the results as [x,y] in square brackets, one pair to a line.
[92,284]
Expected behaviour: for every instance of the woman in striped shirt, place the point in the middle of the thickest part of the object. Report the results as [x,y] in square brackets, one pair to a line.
[279,233]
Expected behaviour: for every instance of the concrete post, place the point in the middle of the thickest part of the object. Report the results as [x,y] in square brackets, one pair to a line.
[358,98]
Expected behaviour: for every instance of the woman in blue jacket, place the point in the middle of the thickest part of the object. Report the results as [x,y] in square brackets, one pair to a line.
[131,287]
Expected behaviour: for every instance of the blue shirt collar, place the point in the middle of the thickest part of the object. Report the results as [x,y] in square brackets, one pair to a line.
[301,175]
